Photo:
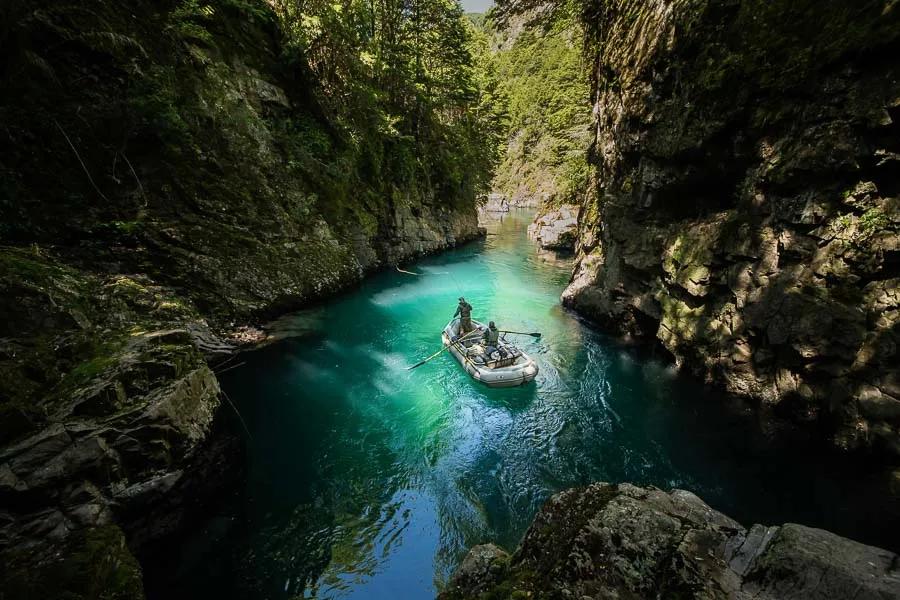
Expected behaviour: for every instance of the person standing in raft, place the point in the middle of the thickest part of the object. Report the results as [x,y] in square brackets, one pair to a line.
[464,312]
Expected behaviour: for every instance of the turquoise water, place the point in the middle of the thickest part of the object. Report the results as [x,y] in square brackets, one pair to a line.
[365,480]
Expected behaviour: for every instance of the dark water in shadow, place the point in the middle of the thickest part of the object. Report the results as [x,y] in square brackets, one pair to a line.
[365,480]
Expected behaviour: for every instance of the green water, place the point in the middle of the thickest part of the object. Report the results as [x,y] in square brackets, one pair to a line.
[365,480]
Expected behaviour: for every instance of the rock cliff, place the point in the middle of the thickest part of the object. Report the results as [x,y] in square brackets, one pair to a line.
[745,206]
[621,541]
[164,178]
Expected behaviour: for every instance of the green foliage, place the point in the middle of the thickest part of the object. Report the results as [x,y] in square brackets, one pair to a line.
[873,220]
[541,74]
[188,21]
[400,83]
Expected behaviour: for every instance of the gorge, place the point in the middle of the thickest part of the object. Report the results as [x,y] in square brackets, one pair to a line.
[177,174]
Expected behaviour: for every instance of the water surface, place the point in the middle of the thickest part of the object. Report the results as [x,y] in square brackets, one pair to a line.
[365,480]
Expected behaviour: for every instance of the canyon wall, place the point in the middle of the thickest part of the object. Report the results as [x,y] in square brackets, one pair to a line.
[744,213]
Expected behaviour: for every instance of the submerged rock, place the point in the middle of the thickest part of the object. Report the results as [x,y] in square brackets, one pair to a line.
[556,228]
[745,211]
[621,541]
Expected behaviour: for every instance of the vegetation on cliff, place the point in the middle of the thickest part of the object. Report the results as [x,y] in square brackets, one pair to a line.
[541,76]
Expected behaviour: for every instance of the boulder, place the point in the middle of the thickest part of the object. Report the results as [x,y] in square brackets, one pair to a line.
[621,541]
[555,229]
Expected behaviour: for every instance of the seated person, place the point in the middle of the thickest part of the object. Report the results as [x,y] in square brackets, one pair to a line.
[491,339]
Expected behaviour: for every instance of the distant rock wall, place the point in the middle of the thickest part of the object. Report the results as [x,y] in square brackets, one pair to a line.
[622,541]
[745,207]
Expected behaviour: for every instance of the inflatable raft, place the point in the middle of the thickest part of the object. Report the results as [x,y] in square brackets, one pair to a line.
[507,367]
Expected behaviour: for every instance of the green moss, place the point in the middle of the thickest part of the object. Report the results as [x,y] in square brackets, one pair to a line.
[873,220]
[90,369]
[127,286]
[31,266]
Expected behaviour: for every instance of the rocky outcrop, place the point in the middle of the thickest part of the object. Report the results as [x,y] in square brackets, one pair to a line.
[622,541]
[165,179]
[496,203]
[108,403]
[555,229]
[745,209]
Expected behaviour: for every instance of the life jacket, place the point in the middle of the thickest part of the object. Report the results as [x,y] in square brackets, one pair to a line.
[491,336]
[465,310]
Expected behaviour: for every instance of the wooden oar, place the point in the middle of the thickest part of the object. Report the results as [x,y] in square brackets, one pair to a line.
[435,355]
[535,334]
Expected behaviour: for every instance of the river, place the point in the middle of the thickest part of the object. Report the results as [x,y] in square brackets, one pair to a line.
[365,480]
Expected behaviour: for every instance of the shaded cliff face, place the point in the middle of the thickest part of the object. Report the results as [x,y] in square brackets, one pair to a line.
[169,139]
[163,178]
[622,541]
[745,212]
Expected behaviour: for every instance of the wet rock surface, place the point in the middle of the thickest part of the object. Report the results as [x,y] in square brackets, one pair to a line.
[622,541]
[745,211]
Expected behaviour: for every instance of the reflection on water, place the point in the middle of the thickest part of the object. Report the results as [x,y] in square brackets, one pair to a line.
[365,480]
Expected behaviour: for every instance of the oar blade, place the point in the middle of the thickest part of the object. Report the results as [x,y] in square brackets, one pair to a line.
[535,334]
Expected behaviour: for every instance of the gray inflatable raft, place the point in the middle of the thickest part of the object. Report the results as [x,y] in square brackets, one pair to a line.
[509,368]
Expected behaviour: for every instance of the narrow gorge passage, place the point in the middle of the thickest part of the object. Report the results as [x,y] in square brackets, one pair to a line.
[364,480]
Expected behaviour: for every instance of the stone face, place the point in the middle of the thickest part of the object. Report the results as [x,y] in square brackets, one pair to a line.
[622,541]
[555,229]
[744,213]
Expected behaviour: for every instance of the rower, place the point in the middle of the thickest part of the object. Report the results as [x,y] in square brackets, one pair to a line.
[491,338]
[464,312]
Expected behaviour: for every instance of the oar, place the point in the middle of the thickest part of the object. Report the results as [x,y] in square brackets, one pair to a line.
[535,334]
[420,363]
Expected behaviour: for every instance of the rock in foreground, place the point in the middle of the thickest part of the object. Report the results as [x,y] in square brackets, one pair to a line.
[620,541]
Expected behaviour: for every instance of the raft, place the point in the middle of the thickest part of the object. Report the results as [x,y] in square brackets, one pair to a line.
[515,368]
